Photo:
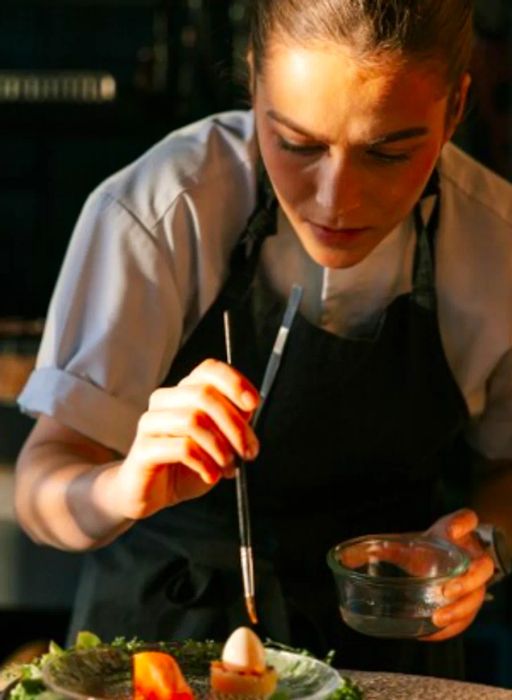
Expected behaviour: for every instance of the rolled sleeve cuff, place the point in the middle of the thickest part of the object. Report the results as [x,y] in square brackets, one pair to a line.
[81,406]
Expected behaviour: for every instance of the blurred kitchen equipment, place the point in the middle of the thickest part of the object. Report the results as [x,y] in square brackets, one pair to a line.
[19,342]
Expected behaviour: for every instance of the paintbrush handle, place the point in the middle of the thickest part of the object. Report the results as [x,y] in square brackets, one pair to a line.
[242,497]
[278,348]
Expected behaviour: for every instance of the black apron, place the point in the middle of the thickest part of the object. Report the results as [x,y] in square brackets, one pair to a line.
[353,441]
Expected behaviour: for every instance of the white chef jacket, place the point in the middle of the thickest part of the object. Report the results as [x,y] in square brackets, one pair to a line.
[151,249]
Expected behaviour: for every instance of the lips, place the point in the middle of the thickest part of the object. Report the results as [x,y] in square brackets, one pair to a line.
[340,236]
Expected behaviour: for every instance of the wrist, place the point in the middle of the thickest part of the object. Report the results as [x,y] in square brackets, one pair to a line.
[107,492]
[494,542]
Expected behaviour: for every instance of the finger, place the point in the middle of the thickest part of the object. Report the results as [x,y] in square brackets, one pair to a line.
[480,572]
[183,484]
[209,400]
[229,472]
[228,380]
[182,422]
[468,605]
[454,525]
[152,453]
[461,523]
[449,631]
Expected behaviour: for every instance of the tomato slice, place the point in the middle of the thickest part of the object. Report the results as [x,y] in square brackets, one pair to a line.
[157,676]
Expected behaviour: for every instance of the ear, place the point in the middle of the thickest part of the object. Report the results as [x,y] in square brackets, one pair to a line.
[457,106]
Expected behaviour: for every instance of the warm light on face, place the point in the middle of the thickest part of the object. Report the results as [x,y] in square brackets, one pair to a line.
[348,149]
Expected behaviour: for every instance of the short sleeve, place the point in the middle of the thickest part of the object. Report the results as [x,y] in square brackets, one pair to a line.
[491,432]
[116,287]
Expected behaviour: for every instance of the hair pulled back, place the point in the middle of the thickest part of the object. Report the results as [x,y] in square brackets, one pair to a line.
[432,30]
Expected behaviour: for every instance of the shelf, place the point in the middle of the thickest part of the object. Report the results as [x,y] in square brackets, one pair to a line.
[143,4]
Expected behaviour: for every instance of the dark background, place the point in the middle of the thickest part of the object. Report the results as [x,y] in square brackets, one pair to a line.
[172,61]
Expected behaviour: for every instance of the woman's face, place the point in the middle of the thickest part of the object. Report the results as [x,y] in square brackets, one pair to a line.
[348,148]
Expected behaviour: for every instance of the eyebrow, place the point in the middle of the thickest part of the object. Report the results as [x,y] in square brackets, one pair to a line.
[400,135]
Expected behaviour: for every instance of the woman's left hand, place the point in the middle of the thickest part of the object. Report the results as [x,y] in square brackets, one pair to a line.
[466,593]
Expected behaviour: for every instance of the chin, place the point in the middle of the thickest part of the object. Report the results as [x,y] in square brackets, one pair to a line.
[339,254]
[335,258]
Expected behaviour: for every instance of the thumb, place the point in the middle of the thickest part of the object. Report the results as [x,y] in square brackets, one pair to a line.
[454,526]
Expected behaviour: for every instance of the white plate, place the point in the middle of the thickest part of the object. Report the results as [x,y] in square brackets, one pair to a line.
[104,673]
[303,677]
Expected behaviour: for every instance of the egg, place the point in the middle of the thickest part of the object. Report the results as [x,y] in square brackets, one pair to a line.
[243,650]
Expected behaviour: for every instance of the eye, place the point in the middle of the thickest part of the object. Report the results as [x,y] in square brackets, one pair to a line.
[388,157]
[301,149]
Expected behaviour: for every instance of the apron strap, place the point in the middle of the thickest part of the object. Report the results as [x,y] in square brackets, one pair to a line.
[245,256]
[263,223]
[424,293]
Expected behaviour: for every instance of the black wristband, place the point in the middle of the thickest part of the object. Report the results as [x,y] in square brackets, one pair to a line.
[494,541]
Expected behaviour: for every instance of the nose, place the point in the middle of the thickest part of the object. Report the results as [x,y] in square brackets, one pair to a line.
[339,189]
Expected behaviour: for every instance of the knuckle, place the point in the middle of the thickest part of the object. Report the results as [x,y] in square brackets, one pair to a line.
[195,420]
[189,448]
[191,451]
[143,422]
[206,393]
[157,396]
[155,453]
[209,364]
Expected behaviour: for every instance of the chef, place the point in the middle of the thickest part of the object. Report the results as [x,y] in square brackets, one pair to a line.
[397,371]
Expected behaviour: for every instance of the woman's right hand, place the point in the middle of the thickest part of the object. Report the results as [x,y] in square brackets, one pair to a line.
[187,440]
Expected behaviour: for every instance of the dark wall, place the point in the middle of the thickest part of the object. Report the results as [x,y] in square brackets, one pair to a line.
[172,61]
[54,151]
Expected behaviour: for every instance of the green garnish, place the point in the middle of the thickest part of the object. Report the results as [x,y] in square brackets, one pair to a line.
[87,640]
[194,658]
[348,691]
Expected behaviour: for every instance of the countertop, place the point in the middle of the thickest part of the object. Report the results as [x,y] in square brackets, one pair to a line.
[396,686]
[377,686]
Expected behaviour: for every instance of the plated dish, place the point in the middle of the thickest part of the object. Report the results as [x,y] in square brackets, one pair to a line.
[91,669]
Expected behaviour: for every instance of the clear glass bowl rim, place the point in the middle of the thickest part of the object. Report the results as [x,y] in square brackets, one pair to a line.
[338,568]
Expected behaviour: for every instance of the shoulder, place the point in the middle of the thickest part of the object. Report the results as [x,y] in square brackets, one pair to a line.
[476,222]
[477,190]
[474,266]
[217,153]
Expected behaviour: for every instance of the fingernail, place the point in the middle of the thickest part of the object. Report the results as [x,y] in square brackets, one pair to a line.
[248,400]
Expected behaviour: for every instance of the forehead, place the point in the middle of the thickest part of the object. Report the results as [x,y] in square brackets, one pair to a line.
[321,86]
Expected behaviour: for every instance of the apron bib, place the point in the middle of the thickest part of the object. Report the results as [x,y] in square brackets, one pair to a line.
[353,440]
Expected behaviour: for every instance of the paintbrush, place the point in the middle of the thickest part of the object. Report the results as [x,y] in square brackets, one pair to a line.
[244,524]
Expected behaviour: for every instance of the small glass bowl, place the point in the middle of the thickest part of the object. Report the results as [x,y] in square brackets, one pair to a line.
[390,585]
